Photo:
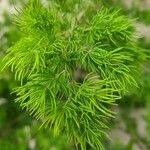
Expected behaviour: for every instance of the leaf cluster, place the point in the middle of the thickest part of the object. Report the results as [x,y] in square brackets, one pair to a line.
[72,67]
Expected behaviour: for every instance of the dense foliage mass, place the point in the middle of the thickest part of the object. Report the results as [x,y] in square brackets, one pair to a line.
[72,66]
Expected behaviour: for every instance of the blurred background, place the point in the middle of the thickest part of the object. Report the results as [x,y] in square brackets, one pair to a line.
[131,128]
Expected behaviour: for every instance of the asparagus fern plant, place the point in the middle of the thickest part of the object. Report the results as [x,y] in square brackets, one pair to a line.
[73,64]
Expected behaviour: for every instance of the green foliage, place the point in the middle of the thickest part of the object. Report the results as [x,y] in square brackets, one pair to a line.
[19,131]
[56,46]
[7,38]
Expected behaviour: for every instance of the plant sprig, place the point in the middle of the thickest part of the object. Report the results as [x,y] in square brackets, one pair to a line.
[56,46]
